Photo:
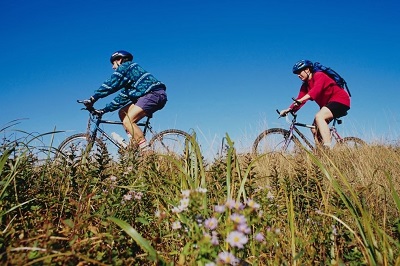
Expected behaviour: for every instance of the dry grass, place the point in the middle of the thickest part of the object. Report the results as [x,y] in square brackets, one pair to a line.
[314,208]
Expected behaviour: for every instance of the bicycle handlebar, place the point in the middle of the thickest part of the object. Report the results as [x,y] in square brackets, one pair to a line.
[91,110]
[290,110]
[296,101]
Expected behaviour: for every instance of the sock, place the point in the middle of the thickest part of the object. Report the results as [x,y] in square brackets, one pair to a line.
[143,145]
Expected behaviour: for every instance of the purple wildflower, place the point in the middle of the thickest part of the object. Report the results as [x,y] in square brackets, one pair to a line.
[211,223]
[244,228]
[238,218]
[236,239]
[219,208]
[227,258]
[259,237]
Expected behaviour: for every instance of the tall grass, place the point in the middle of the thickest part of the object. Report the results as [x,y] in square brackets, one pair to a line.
[340,208]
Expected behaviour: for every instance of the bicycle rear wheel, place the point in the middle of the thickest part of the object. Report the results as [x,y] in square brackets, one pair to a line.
[350,142]
[275,140]
[76,146]
[172,142]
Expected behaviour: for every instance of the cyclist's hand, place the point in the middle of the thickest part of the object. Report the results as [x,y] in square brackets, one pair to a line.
[99,112]
[284,112]
[89,102]
[297,102]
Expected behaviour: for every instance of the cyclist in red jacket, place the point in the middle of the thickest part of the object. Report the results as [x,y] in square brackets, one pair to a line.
[334,102]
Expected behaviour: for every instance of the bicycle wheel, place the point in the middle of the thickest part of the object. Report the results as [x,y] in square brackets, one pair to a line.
[275,140]
[171,141]
[351,142]
[74,147]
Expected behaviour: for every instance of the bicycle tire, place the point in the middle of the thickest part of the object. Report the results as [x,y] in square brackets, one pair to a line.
[273,140]
[171,142]
[351,142]
[73,147]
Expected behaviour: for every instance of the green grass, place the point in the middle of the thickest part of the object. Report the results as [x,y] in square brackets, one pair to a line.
[307,209]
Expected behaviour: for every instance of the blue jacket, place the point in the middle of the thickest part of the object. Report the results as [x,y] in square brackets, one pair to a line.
[132,82]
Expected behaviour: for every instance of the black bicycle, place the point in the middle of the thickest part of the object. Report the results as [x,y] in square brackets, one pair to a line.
[171,141]
[285,140]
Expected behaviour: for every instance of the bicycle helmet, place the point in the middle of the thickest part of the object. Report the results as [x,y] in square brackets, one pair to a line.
[302,64]
[121,54]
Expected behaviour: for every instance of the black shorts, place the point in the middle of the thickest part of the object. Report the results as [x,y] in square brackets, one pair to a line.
[337,109]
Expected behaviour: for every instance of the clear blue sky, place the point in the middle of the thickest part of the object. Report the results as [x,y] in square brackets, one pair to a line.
[227,64]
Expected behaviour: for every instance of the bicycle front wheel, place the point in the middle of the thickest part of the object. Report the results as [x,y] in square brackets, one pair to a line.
[276,140]
[172,142]
[74,148]
[351,142]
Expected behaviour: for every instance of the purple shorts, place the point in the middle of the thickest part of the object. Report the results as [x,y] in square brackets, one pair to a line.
[152,101]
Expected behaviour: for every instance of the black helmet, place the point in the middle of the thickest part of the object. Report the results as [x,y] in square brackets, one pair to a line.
[121,54]
[302,64]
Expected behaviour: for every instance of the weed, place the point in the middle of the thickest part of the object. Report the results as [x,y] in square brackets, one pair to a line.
[273,209]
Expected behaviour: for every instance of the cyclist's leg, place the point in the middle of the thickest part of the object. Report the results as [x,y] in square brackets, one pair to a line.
[129,116]
[322,118]
[337,110]
[145,106]
[317,136]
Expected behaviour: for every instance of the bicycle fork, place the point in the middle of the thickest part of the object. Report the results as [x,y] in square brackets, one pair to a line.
[92,135]
[288,137]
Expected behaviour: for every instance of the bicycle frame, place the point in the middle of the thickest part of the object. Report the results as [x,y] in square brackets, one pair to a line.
[294,124]
[97,120]
[168,141]
[287,140]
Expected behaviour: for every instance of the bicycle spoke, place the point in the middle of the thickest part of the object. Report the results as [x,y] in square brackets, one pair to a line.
[171,141]
[350,143]
[76,148]
[275,140]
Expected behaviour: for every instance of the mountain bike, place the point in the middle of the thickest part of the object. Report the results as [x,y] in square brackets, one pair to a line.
[95,140]
[285,140]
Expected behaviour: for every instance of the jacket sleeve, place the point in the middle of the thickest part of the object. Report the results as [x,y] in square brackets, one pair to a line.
[116,103]
[117,81]
[302,92]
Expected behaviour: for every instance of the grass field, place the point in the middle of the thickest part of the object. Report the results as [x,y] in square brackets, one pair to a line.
[340,208]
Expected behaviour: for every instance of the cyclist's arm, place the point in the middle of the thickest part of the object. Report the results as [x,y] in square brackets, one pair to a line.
[117,81]
[303,93]
[119,101]
[302,100]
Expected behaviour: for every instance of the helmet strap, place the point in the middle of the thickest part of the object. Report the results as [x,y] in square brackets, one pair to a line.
[309,73]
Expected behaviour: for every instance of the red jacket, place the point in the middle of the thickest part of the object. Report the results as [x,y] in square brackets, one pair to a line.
[323,90]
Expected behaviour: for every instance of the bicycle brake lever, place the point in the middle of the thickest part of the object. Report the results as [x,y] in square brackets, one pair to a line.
[90,109]
[296,101]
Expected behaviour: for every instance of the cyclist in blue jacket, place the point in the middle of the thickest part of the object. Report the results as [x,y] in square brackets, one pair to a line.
[140,94]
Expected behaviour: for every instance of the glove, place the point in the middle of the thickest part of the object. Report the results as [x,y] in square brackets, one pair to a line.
[99,112]
[89,103]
